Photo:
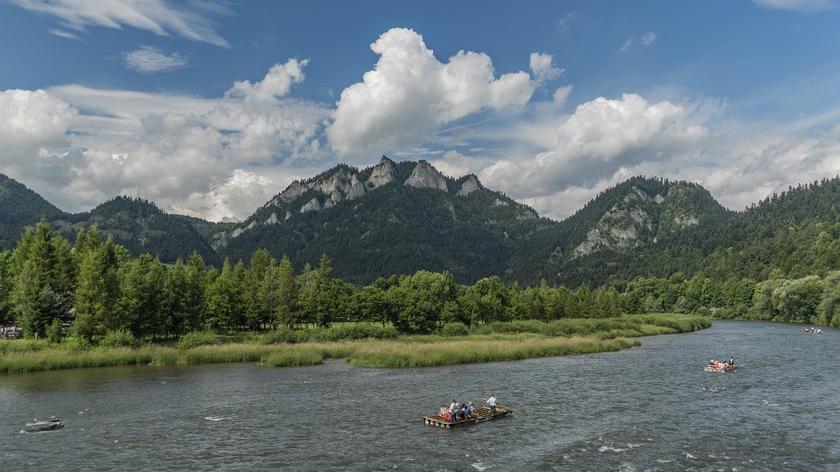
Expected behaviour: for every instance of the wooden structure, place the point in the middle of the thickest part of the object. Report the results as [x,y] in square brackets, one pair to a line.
[725,368]
[481,415]
[39,426]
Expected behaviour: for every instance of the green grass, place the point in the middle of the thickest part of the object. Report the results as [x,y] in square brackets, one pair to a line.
[401,354]
[369,345]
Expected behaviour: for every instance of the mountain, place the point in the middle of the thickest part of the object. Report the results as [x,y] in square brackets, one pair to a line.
[794,233]
[392,218]
[141,226]
[397,218]
[19,207]
[638,215]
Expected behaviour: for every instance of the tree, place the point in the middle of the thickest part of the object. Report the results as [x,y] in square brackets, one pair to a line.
[796,301]
[97,291]
[223,300]
[176,313]
[320,295]
[142,297]
[258,290]
[195,293]
[422,297]
[828,311]
[285,294]
[44,272]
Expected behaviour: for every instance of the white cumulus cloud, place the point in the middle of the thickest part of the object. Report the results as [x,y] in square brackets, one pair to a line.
[149,60]
[600,137]
[409,94]
[276,83]
[208,157]
[542,66]
[648,38]
[561,95]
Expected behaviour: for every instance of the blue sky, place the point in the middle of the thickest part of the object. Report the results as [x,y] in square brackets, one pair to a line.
[557,101]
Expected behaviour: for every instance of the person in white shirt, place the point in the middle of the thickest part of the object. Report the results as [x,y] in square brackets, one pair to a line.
[492,402]
[453,408]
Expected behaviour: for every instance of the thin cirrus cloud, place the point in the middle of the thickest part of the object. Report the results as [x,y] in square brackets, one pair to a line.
[797,5]
[157,16]
[645,40]
[64,34]
[150,60]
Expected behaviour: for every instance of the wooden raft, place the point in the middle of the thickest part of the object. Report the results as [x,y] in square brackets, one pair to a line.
[481,415]
[727,368]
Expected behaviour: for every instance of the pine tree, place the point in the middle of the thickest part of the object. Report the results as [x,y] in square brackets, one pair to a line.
[196,293]
[223,300]
[97,291]
[286,307]
[44,271]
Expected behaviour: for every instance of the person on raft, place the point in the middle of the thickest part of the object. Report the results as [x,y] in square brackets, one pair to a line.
[492,402]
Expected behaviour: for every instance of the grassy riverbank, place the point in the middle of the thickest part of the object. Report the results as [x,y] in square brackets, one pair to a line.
[381,348]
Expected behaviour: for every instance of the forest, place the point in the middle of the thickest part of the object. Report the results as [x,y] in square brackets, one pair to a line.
[94,288]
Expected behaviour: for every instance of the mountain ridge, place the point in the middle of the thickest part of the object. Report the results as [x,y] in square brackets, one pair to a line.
[400,217]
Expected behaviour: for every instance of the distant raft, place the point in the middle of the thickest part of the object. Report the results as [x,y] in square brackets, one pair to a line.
[722,368]
[40,426]
[481,415]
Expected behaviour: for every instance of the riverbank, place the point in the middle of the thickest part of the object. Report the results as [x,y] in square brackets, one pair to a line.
[491,342]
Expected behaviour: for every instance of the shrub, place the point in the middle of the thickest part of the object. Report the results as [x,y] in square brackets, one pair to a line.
[118,338]
[283,334]
[197,338]
[75,344]
[454,329]
[54,331]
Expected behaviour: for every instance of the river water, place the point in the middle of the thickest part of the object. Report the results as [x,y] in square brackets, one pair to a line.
[647,408]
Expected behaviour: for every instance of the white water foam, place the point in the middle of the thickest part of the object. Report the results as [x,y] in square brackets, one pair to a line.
[480,466]
[216,418]
[611,449]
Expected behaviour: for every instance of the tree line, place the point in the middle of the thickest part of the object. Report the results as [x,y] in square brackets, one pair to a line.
[95,286]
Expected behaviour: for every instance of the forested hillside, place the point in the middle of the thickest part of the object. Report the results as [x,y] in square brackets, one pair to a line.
[399,218]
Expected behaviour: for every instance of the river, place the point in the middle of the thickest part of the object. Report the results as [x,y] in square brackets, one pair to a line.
[648,408]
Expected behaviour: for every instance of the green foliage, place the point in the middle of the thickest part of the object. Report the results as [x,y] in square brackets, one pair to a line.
[198,338]
[118,338]
[54,331]
[454,329]
[828,311]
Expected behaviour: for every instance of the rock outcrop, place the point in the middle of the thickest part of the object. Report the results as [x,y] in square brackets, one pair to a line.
[469,186]
[383,173]
[311,205]
[426,176]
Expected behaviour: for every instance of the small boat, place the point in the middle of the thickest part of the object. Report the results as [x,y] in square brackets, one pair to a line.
[481,415]
[723,368]
[39,426]
[812,330]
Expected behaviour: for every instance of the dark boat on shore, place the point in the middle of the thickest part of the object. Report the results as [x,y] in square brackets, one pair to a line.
[481,415]
[40,426]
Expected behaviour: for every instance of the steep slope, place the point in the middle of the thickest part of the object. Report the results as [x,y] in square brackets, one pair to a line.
[141,226]
[19,207]
[388,219]
[795,233]
[620,223]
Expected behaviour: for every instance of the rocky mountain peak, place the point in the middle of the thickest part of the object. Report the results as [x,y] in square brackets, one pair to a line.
[469,186]
[425,175]
[383,173]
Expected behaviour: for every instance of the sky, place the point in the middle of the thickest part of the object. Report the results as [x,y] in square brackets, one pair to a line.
[211,108]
